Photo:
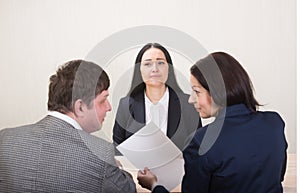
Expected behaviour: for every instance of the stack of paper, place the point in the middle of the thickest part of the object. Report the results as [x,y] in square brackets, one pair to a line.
[150,147]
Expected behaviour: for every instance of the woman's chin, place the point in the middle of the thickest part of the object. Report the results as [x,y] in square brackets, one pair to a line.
[155,83]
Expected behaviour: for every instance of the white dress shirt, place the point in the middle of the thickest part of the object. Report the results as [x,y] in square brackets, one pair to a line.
[65,118]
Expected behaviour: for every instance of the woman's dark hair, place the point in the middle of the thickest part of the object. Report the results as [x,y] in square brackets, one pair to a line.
[137,84]
[225,79]
[76,79]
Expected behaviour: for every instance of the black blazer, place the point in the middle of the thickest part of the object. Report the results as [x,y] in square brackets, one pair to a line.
[183,119]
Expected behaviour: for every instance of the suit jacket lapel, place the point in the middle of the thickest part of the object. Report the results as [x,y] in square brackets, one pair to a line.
[173,113]
[138,108]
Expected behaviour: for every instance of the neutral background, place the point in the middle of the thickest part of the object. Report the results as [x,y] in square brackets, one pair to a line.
[37,36]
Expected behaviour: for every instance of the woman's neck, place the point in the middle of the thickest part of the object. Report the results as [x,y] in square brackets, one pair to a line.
[155,93]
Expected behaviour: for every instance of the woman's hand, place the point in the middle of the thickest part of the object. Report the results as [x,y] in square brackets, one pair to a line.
[146,178]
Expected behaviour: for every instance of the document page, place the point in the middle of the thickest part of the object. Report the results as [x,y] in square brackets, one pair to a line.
[150,147]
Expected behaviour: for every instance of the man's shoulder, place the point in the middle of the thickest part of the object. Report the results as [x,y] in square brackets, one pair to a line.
[93,139]
[98,146]
[17,129]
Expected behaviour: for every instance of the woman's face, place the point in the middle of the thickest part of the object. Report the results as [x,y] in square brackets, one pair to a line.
[202,100]
[154,68]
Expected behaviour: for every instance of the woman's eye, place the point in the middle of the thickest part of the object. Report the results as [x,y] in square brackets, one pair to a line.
[197,92]
[146,64]
[161,62]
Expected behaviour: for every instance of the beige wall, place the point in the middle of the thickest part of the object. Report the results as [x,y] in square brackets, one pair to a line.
[37,36]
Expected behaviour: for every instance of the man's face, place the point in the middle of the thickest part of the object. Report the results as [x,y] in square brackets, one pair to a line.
[95,113]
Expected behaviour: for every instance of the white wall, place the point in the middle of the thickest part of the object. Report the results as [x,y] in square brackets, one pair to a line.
[37,36]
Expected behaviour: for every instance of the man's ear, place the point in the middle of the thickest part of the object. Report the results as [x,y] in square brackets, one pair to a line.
[79,107]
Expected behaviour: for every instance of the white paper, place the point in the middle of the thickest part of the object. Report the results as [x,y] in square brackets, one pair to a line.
[150,147]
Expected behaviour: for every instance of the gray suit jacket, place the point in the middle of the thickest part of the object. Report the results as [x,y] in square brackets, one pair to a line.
[53,156]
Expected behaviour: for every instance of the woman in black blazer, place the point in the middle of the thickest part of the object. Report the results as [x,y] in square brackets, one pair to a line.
[154,83]
[243,149]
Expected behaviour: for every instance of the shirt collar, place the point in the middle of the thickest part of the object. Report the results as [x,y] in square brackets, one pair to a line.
[65,118]
[163,100]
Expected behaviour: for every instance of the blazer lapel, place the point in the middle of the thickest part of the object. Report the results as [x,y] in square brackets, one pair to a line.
[137,109]
[173,113]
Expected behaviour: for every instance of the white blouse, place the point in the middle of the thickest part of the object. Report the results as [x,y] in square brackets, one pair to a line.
[158,113]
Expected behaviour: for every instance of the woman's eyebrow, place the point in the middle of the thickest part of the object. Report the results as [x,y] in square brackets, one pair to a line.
[156,59]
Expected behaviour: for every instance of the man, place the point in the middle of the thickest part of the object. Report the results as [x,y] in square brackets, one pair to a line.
[58,153]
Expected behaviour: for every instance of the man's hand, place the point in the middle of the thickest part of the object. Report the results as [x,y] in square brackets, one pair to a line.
[146,178]
[119,164]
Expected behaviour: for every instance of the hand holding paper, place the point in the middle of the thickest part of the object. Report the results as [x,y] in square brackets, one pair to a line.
[146,178]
